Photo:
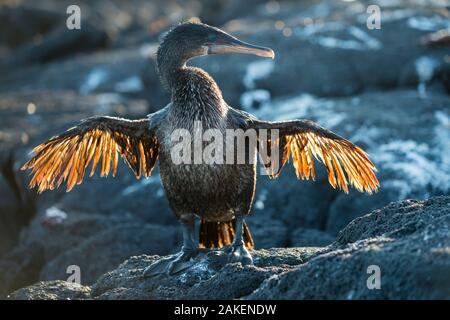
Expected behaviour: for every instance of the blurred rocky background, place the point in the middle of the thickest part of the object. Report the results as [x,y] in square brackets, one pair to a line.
[385,89]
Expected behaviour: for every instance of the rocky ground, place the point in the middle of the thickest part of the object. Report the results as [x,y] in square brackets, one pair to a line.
[408,241]
[382,89]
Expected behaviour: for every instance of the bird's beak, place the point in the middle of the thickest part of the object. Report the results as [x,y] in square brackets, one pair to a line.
[233,45]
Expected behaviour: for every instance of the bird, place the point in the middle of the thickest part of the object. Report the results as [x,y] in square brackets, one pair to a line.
[220,195]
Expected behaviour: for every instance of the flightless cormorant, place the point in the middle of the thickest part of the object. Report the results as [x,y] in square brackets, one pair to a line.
[220,194]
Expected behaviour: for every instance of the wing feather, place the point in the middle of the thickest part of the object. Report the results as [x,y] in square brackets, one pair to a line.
[304,140]
[95,141]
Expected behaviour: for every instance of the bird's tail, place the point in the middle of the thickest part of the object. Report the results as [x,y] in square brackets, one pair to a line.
[218,234]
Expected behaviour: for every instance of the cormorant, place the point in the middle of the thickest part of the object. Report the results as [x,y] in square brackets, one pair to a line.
[220,194]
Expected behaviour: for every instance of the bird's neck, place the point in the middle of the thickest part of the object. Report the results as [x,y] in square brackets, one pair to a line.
[194,92]
[196,95]
[168,65]
[192,89]
[197,85]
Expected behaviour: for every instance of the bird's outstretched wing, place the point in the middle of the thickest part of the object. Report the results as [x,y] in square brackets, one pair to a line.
[346,163]
[96,140]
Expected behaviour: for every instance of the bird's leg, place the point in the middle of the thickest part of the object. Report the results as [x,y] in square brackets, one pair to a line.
[181,260]
[238,252]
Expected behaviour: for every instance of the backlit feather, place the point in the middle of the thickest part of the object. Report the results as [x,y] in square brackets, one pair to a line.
[99,140]
[346,163]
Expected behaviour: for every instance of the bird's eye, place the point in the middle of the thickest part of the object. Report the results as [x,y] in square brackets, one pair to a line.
[212,37]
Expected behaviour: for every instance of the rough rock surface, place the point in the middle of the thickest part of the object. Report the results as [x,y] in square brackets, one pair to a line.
[95,243]
[52,290]
[408,241]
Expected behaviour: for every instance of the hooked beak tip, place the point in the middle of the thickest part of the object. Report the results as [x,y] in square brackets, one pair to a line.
[262,52]
[271,54]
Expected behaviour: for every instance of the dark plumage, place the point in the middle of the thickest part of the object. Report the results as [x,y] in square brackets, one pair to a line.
[220,194]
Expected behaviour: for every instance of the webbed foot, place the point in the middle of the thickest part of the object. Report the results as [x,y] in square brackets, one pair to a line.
[171,265]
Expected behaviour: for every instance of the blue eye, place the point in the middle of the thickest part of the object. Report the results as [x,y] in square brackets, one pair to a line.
[212,37]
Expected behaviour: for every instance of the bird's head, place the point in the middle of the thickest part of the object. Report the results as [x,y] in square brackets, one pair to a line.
[192,39]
